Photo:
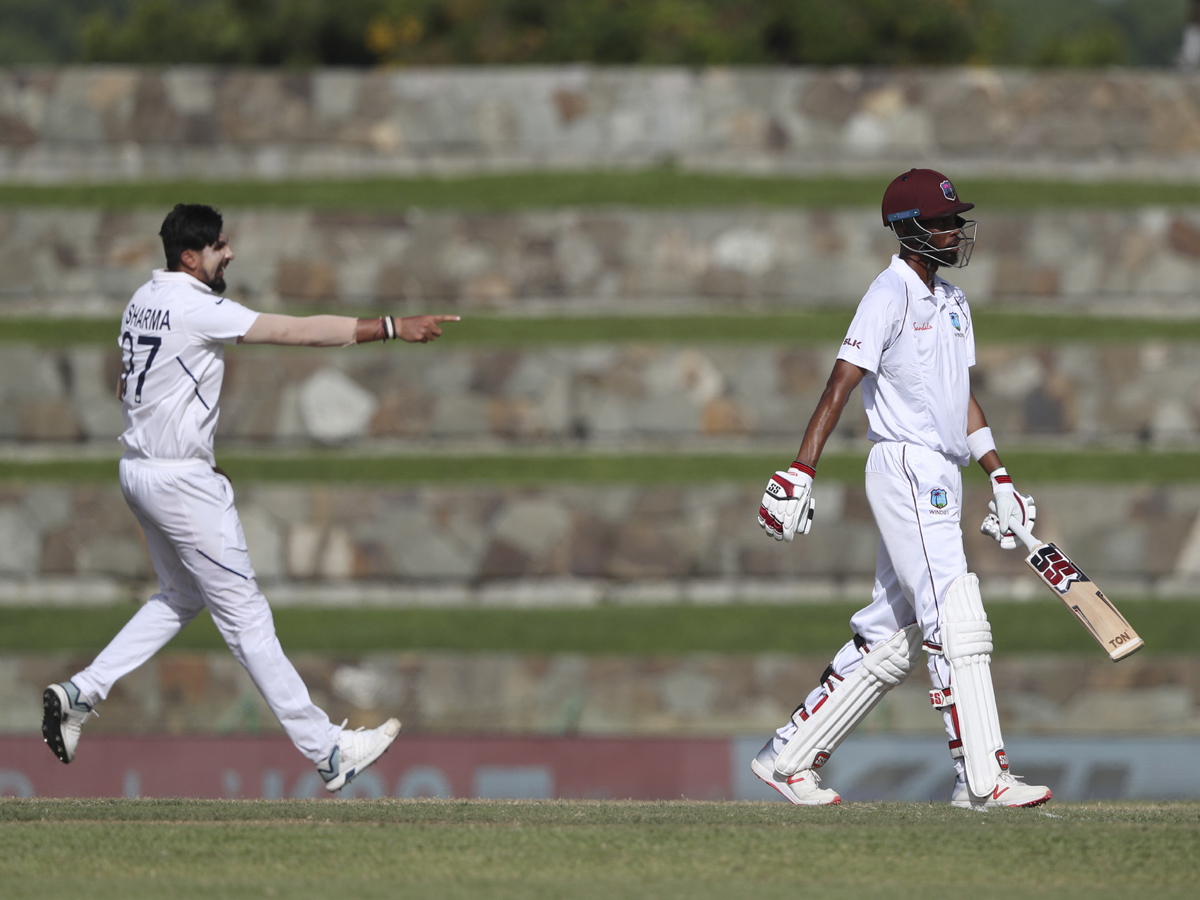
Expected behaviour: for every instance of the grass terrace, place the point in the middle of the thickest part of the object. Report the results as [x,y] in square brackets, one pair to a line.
[1040,626]
[653,188]
[787,328]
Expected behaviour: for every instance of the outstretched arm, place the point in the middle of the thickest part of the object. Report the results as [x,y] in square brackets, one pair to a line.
[341,331]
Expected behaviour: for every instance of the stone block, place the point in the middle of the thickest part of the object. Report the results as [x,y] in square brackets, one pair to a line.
[424,544]
[52,420]
[122,557]
[458,416]
[641,550]
[93,375]
[306,281]
[20,545]
[534,525]
[335,408]
[503,561]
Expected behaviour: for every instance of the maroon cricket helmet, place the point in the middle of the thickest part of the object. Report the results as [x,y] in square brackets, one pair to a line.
[921,194]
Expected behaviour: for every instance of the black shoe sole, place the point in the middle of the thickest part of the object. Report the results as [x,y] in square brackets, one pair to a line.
[52,719]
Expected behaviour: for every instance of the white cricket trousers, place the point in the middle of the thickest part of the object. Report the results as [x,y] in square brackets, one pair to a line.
[199,553]
[915,495]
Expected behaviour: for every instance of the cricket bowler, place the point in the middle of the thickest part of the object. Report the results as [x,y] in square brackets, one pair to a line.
[911,346]
[172,337]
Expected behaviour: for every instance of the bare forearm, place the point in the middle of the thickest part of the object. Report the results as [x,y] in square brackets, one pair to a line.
[842,382]
[820,427]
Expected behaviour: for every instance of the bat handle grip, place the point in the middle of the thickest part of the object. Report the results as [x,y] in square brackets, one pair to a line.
[1024,535]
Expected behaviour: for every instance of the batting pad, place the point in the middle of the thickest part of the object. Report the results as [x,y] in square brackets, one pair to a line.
[967,645]
[848,700]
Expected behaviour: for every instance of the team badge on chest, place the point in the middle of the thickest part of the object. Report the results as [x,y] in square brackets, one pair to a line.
[956,321]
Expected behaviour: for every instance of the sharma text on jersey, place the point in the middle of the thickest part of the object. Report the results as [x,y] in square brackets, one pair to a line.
[147,318]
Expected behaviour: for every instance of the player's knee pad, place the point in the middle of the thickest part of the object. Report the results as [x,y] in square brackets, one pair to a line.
[967,646]
[820,730]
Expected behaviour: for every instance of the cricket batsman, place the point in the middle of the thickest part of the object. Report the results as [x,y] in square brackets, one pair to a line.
[911,346]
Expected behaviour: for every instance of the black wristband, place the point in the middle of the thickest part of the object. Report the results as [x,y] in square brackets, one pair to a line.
[389,329]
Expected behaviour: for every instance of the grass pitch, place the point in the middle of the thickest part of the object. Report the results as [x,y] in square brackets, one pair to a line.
[583,849]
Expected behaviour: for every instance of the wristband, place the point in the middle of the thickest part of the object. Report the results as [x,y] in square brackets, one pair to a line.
[1001,480]
[980,443]
[389,328]
[805,468]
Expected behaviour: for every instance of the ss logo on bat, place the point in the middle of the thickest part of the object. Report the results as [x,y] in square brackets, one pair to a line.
[1059,572]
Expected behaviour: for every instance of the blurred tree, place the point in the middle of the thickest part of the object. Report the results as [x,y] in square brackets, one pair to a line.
[248,32]
[33,31]
[613,32]
[1101,45]
[681,32]
[1153,29]
[1090,32]
[1189,53]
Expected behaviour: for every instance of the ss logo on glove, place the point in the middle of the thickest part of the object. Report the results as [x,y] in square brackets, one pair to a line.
[787,507]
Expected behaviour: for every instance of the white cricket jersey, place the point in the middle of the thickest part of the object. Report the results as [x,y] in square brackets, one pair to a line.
[917,347]
[173,337]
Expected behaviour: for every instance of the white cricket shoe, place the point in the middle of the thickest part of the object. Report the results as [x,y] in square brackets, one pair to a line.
[355,751]
[801,789]
[1010,790]
[63,715]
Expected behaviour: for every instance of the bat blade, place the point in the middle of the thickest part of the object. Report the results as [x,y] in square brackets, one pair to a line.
[1080,594]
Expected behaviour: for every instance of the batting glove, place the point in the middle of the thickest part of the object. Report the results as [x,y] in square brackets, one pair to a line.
[787,504]
[1007,506]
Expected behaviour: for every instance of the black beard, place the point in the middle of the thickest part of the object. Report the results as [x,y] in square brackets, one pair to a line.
[218,284]
[947,258]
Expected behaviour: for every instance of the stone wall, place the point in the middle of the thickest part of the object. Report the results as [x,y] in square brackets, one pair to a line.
[602,396]
[696,694]
[74,262]
[574,545]
[111,123]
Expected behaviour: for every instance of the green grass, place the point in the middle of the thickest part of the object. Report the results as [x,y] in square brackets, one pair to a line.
[584,468]
[132,849]
[663,188]
[809,328]
[1041,626]
[489,330]
[529,469]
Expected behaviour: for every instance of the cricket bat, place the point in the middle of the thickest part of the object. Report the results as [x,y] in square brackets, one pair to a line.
[1093,610]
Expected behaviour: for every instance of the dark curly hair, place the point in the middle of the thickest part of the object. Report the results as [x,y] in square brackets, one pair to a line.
[189,226]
